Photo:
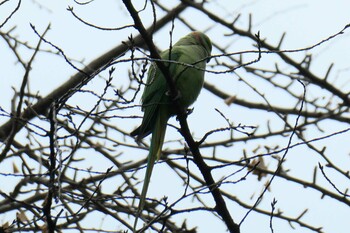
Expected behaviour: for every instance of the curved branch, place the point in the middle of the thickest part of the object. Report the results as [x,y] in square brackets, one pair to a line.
[43,104]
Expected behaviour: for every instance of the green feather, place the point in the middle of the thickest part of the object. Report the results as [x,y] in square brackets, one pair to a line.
[193,49]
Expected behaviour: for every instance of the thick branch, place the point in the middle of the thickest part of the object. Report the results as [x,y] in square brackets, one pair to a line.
[43,104]
[220,207]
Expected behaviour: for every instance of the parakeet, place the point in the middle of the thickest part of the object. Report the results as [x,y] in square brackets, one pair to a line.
[194,49]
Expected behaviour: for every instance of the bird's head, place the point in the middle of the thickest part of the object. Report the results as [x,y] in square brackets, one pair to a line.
[197,38]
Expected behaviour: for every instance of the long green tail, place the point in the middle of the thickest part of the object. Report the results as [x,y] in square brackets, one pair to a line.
[157,140]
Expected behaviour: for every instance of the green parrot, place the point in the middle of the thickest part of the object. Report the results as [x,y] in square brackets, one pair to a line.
[193,49]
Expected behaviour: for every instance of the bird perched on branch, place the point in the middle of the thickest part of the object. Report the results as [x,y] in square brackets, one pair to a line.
[185,62]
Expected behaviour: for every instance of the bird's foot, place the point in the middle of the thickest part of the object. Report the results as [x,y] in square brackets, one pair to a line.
[176,97]
[189,111]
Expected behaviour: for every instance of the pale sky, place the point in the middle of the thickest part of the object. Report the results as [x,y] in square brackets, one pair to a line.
[305,22]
